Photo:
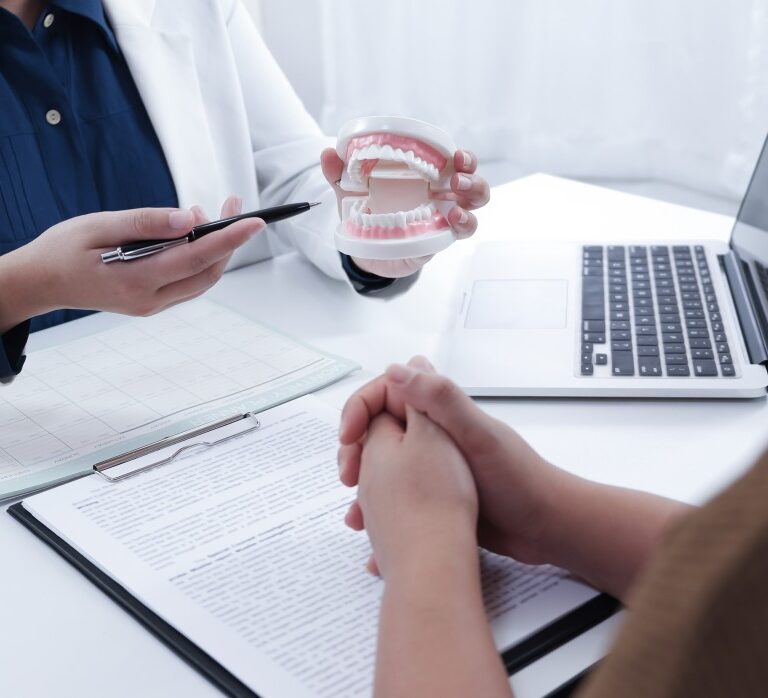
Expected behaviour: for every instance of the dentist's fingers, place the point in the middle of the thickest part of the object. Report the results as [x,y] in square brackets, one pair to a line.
[391,268]
[464,161]
[333,167]
[463,222]
[233,206]
[471,189]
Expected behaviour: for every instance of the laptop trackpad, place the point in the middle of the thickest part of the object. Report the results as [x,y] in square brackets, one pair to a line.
[518,304]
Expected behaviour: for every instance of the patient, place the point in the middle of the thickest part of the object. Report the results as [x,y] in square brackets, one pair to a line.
[437,477]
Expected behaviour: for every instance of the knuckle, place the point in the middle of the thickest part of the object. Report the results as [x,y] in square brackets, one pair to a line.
[141,222]
[197,264]
[442,389]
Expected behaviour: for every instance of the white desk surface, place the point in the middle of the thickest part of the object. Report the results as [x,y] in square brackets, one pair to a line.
[60,636]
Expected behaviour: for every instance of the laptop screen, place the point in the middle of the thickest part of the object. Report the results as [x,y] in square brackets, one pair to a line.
[750,233]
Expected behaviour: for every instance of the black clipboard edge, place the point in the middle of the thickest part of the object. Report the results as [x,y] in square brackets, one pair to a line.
[559,631]
[185,648]
[545,640]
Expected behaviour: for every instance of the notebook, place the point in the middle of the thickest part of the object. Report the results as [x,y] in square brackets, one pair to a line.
[230,546]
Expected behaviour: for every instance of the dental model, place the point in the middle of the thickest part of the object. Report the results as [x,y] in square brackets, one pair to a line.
[394,166]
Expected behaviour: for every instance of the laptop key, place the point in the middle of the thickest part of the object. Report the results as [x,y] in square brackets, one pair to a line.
[701,344]
[647,350]
[678,371]
[698,333]
[675,360]
[645,330]
[672,337]
[702,354]
[601,359]
[621,346]
[593,312]
[704,367]
[647,340]
[674,348]
[722,348]
[587,369]
[621,335]
[619,325]
[593,325]
[649,366]
[728,370]
[594,337]
[725,359]
[622,363]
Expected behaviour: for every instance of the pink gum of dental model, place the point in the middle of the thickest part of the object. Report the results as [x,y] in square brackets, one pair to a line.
[422,150]
[436,222]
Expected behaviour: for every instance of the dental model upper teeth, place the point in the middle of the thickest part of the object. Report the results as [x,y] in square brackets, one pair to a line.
[394,165]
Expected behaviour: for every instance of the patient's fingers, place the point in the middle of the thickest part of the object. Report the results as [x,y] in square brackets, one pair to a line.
[471,189]
[349,463]
[354,517]
[463,222]
[464,161]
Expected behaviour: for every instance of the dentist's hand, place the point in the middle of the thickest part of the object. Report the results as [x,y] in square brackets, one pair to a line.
[469,190]
[63,269]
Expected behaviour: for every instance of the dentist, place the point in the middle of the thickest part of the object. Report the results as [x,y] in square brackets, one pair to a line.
[137,105]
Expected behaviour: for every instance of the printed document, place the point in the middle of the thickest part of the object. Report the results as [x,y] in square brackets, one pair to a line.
[243,549]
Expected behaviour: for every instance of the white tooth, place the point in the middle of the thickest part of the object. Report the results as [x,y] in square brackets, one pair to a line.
[387,152]
[410,216]
[400,221]
[410,156]
[355,155]
[366,220]
[431,210]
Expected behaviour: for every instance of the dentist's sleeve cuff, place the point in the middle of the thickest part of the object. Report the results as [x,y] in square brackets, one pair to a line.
[362,281]
[12,351]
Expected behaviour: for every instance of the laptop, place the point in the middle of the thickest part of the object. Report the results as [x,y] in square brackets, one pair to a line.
[625,320]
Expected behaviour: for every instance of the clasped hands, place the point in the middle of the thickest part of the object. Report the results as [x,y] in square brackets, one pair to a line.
[433,470]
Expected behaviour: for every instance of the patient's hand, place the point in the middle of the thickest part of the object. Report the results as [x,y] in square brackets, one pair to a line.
[514,483]
[416,491]
[471,192]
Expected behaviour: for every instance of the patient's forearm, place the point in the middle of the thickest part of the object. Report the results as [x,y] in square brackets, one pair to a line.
[434,638]
[606,534]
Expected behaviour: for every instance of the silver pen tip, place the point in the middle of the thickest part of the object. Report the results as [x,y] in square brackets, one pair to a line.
[315,203]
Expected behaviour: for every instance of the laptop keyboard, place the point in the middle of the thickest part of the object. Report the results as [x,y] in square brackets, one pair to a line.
[651,311]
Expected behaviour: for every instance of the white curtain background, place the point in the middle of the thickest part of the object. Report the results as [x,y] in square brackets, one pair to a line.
[629,89]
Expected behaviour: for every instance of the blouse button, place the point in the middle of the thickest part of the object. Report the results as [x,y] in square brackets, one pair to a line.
[48,20]
[53,117]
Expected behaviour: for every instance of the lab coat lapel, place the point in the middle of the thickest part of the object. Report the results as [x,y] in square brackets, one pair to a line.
[163,67]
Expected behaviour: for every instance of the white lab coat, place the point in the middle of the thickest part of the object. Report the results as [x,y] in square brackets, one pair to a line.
[228,120]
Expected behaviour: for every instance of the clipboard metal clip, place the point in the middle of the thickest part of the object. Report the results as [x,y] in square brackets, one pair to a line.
[249,422]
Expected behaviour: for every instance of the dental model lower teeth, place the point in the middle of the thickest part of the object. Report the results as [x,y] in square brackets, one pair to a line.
[394,170]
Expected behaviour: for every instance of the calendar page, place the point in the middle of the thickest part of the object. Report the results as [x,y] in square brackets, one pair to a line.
[94,398]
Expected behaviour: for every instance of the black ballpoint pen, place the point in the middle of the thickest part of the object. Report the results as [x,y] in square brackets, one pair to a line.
[144,248]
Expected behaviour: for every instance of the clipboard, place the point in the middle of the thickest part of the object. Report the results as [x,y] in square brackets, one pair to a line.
[173,448]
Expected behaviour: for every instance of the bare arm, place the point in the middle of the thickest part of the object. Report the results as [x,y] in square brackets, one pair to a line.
[601,533]
[434,638]
[529,509]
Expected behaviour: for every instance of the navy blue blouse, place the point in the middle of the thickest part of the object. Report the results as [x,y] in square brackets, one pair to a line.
[74,135]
